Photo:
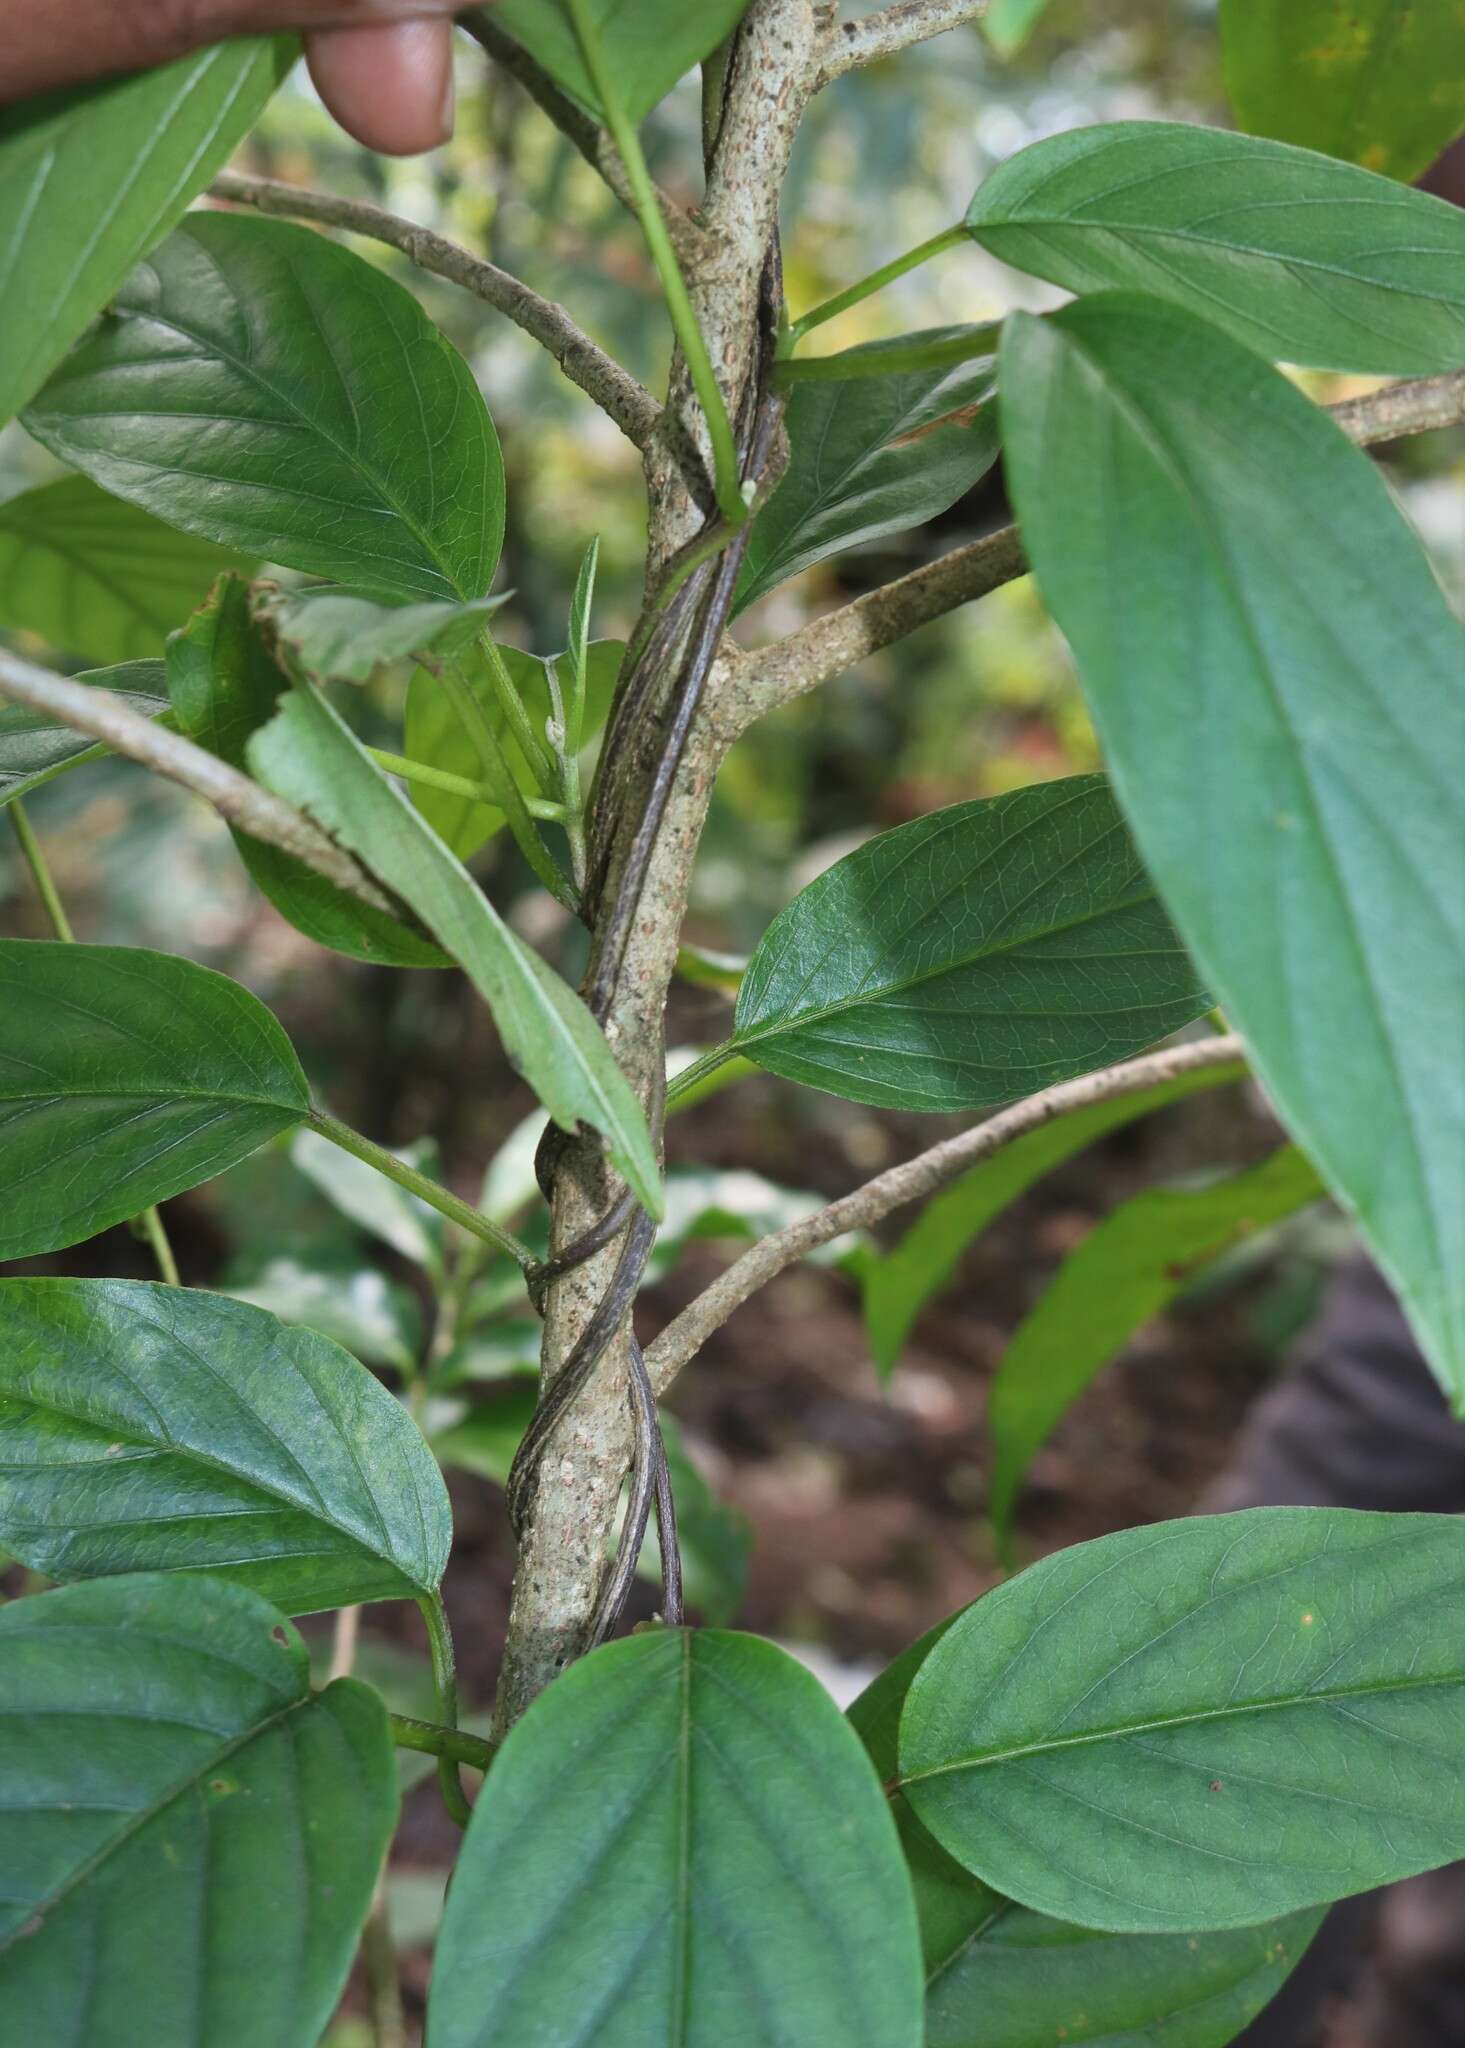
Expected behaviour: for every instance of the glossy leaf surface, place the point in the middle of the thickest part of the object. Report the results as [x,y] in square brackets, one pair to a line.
[647,45]
[32,749]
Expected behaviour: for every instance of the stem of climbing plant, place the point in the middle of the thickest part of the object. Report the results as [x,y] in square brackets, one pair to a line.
[458,785]
[426,1738]
[950,238]
[445,1681]
[437,1197]
[506,793]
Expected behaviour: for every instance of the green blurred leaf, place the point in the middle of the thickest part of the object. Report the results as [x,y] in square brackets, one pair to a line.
[1298,256]
[897,1285]
[32,750]
[744,1851]
[263,387]
[1168,1730]
[125,1077]
[1125,1271]
[1379,82]
[379,1205]
[1275,678]
[355,1306]
[192,1840]
[647,45]
[1009,23]
[334,636]
[97,577]
[90,179]
[970,957]
[871,457]
[148,1428]
[307,755]
[224,685]
[708,1202]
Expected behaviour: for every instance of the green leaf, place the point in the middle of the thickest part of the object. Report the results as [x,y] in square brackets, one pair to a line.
[355,1306]
[1203,1724]
[1125,1271]
[647,45]
[307,755]
[869,457]
[897,1286]
[147,1428]
[379,1205]
[1298,256]
[191,1839]
[970,957]
[89,181]
[1380,82]
[434,734]
[1275,678]
[735,1875]
[1009,23]
[259,385]
[126,1077]
[333,635]
[32,750]
[710,1202]
[224,685]
[97,577]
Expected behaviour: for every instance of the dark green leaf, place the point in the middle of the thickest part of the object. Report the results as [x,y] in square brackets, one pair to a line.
[125,1077]
[334,636]
[735,1875]
[871,457]
[377,1204]
[261,386]
[98,577]
[224,686]
[149,1428]
[1380,82]
[1276,681]
[307,755]
[1123,1273]
[897,1286]
[1298,256]
[970,957]
[1204,1724]
[32,750]
[647,44]
[89,180]
[355,1306]
[191,1839]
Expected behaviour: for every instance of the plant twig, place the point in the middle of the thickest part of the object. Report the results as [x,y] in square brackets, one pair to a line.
[851,44]
[856,294]
[445,1683]
[427,1738]
[684,1337]
[430,1191]
[583,361]
[1413,407]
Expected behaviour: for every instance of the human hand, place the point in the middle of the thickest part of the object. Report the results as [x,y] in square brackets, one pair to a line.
[383,67]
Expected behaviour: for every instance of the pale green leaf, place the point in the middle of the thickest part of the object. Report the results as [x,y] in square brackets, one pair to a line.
[647,45]
[334,636]
[32,750]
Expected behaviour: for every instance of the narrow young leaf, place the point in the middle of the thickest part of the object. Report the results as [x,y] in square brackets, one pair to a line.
[192,1840]
[1167,1730]
[98,577]
[897,1285]
[1276,681]
[125,1077]
[871,456]
[91,179]
[333,635]
[970,957]
[377,1204]
[1123,1273]
[272,391]
[307,755]
[147,1428]
[224,685]
[733,1857]
[1379,82]
[647,44]
[32,751]
[1298,256]
[577,654]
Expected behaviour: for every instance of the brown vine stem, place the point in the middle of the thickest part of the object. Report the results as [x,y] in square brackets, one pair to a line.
[852,44]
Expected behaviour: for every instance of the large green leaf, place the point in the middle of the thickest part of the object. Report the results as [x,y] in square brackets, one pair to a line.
[734,1877]
[270,390]
[870,457]
[191,1839]
[125,1077]
[307,755]
[148,1428]
[224,685]
[647,45]
[970,957]
[98,577]
[89,180]
[1298,256]
[1123,1273]
[1276,681]
[1380,82]
[32,750]
[897,1285]
[1204,1724]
